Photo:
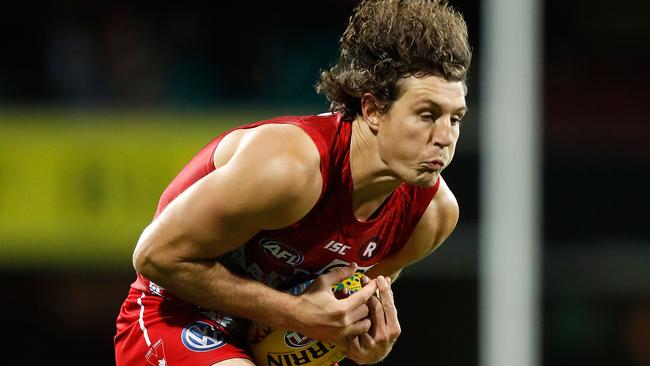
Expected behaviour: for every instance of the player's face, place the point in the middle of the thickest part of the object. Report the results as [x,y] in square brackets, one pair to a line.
[418,134]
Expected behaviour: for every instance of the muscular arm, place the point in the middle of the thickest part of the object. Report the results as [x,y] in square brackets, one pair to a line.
[435,226]
[268,179]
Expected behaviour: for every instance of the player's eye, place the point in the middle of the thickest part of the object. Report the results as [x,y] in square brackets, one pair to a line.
[427,117]
[457,119]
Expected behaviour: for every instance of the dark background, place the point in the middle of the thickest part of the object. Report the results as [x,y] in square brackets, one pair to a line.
[178,56]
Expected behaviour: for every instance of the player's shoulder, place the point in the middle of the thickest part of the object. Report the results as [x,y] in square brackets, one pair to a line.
[444,204]
[284,145]
[282,157]
[443,210]
[439,219]
[433,228]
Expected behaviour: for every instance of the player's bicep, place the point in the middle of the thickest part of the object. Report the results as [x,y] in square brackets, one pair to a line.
[258,188]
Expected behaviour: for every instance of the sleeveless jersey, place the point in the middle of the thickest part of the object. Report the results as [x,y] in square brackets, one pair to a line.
[329,235]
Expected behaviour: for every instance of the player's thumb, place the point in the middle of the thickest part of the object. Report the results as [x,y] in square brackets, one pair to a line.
[338,274]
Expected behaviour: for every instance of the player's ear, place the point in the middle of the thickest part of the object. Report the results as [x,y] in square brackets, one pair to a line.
[371,110]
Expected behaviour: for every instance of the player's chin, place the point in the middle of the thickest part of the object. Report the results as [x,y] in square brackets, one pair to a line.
[425,179]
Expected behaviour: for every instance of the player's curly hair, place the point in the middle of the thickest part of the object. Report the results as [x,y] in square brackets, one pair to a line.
[387,40]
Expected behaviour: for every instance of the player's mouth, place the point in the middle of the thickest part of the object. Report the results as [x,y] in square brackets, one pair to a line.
[435,165]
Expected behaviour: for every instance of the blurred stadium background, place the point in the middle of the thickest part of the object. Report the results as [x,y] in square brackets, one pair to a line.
[101,103]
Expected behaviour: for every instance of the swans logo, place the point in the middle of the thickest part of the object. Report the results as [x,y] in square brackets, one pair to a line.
[201,337]
[281,252]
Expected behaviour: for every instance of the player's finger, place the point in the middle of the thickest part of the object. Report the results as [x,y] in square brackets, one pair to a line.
[366,341]
[355,349]
[353,345]
[357,328]
[361,296]
[342,293]
[364,280]
[388,304]
[376,315]
[358,313]
[338,274]
[386,296]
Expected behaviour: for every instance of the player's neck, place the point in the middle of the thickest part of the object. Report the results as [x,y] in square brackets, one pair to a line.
[372,179]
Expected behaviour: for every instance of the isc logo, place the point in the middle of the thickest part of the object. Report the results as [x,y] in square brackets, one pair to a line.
[337,247]
[281,252]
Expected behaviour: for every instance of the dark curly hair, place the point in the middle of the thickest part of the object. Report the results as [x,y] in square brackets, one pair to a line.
[387,40]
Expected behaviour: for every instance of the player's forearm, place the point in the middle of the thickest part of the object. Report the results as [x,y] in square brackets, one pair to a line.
[211,285]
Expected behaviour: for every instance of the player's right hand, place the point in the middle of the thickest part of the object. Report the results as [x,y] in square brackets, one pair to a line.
[320,315]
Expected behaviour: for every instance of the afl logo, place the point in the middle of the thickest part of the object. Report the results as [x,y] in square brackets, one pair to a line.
[281,252]
[294,339]
[370,248]
[201,337]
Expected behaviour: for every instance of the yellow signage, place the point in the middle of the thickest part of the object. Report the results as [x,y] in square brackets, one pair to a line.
[77,189]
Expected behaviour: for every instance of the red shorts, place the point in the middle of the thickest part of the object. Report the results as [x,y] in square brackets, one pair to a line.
[152,328]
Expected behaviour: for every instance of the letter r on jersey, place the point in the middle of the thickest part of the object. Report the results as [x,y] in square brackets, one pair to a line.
[369,249]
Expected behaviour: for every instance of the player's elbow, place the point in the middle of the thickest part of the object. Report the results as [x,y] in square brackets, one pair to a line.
[141,261]
[146,259]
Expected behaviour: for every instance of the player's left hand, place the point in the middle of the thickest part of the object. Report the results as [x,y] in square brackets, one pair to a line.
[375,345]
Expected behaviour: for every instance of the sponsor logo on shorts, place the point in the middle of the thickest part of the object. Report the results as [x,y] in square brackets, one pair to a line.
[202,337]
[281,252]
[156,354]
[294,339]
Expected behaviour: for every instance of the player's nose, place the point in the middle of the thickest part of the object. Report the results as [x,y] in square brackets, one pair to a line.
[442,133]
